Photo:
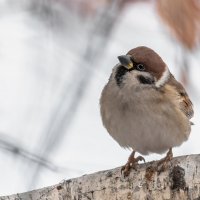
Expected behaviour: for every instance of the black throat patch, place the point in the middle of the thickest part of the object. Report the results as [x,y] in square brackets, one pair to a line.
[121,71]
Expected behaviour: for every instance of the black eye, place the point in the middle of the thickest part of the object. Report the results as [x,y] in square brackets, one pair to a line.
[140,67]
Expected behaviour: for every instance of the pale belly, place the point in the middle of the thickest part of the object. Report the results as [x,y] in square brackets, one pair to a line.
[146,129]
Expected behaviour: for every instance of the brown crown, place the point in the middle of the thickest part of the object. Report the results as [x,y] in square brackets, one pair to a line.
[152,61]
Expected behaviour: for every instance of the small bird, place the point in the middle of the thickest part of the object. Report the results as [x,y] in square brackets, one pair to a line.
[143,107]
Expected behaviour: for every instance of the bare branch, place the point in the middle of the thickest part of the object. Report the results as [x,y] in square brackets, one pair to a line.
[180,181]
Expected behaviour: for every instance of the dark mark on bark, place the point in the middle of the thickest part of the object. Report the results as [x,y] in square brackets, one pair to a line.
[150,171]
[109,174]
[177,176]
[68,181]
[59,187]
[137,188]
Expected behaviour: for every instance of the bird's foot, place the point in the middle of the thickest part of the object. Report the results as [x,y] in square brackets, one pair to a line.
[163,163]
[132,162]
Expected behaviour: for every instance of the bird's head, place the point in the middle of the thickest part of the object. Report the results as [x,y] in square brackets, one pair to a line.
[141,66]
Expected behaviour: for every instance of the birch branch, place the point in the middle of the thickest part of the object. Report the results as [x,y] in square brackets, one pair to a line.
[180,181]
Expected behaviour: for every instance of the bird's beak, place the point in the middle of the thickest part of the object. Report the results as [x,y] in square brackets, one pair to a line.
[125,61]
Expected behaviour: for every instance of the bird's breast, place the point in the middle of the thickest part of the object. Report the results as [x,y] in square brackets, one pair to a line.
[141,119]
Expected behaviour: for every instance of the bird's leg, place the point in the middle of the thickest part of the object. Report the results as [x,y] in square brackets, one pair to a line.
[162,164]
[132,162]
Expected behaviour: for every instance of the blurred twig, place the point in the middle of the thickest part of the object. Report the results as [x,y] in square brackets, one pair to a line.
[63,114]
[19,151]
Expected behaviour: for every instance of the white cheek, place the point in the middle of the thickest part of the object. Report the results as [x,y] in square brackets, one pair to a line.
[131,77]
[164,78]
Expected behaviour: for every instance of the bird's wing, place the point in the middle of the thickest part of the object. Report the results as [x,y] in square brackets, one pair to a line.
[184,101]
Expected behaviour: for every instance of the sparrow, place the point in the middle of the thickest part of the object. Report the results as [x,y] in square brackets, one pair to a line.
[144,108]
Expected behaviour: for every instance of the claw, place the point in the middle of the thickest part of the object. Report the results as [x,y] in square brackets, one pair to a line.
[164,162]
[125,170]
[140,158]
[132,162]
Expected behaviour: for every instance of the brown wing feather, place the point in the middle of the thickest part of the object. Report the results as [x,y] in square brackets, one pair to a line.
[185,103]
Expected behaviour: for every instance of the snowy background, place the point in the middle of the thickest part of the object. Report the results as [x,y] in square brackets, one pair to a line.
[54,62]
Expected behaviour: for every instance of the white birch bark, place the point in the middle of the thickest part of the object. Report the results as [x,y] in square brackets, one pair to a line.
[180,181]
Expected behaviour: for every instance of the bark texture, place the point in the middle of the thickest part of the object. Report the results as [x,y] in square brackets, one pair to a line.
[180,181]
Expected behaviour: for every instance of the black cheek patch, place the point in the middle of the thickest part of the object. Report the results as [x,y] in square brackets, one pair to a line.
[145,80]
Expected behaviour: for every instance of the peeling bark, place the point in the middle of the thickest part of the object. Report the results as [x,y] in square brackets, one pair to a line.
[180,181]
